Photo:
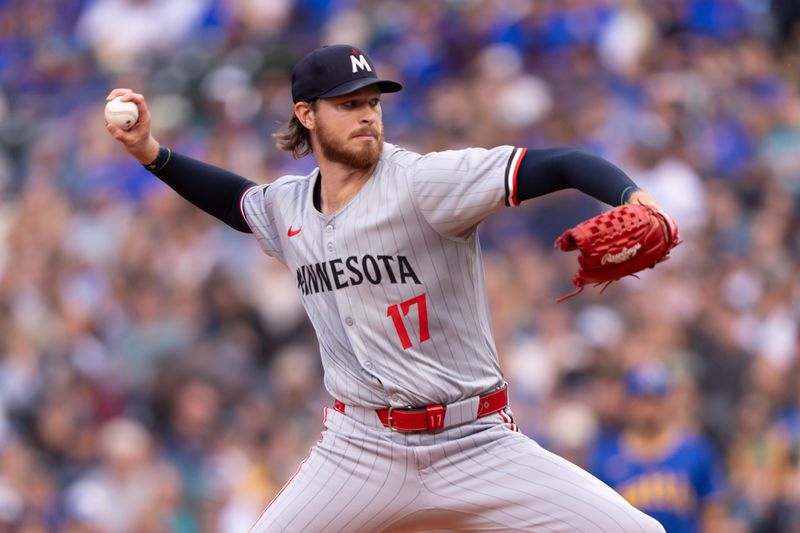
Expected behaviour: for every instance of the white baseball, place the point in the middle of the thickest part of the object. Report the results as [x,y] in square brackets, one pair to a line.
[122,114]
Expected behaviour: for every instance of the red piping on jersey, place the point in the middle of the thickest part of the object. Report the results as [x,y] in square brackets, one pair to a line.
[281,491]
[507,419]
[241,203]
[520,155]
[304,461]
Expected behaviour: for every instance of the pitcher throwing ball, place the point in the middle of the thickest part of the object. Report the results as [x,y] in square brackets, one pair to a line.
[383,245]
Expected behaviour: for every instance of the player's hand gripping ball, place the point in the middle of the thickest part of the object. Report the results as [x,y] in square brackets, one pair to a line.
[122,114]
[618,243]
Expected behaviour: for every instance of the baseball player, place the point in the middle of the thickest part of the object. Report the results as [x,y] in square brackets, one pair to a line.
[383,245]
[669,472]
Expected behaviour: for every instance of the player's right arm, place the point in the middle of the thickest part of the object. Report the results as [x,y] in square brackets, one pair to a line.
[216,191]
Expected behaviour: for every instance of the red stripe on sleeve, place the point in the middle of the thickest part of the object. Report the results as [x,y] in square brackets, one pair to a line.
[520,155]
[241,204]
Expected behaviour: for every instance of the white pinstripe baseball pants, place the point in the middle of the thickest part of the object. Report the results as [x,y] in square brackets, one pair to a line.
[479,476]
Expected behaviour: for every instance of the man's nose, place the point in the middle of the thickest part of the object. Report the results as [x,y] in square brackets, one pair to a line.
[369,116]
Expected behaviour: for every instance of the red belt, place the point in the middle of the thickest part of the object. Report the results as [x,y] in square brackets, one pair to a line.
[431,418]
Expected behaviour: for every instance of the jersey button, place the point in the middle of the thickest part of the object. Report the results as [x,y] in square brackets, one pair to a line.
[348,321]
[329,227]
[330,246]
[368,365]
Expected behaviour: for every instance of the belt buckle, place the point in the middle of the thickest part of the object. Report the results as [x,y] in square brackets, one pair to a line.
[389,419]
[434,418]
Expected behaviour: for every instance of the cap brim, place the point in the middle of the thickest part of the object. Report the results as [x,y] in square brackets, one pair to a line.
[384,86]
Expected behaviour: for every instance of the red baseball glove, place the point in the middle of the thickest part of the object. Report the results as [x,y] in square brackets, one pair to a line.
[618,243]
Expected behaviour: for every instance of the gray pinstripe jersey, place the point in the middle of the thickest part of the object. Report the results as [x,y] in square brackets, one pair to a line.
[393,281]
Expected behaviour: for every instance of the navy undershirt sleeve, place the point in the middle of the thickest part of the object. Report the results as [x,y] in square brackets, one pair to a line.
[214,190]
[545,171]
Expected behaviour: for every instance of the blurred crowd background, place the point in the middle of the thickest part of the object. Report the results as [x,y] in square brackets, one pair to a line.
[157,372]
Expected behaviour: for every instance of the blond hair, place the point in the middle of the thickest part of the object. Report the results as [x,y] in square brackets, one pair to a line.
[294,137]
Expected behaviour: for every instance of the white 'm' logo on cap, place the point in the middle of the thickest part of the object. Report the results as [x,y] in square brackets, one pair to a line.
[360,63]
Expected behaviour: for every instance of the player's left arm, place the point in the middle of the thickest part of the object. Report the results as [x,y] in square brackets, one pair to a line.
[544,171]
[455,190]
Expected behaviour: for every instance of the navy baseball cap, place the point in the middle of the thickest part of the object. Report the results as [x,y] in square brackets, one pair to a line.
[648,379]
[333,71]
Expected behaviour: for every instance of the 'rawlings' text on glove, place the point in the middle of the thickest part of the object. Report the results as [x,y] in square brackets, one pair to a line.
[618,243]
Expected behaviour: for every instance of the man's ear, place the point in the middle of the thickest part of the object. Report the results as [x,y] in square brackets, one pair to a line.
[305,114]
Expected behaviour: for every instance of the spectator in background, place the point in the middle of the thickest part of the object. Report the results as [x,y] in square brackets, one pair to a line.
[666,470]
[122,31]
[755,465]
[783,438]
[128,490]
